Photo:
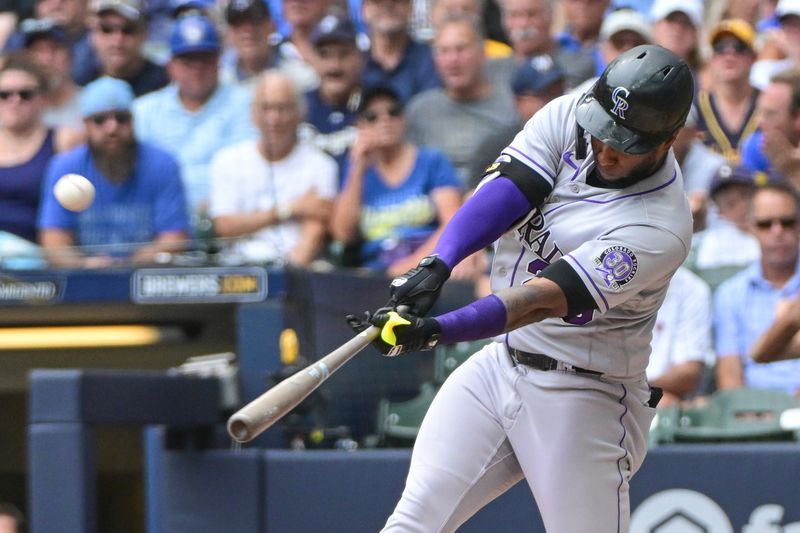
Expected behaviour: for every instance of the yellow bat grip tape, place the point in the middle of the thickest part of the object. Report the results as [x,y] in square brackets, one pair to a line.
[387,333]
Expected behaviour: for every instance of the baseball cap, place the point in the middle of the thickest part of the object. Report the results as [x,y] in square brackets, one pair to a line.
[333,28]
[693,9]
[736,175]
[183,7]
[535,74]
[194,33]
[105,94]
[787,8]
[130,9]
[741,29]
[33,29]
[242,10]
[625,20]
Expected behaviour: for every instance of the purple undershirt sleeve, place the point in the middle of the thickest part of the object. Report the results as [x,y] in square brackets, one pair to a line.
[481,319]
[481,220]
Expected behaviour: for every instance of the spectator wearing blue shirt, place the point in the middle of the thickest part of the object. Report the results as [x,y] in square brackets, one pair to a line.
[395,59]
[251,52]
[398,196]
[773,148]
[332,107]
[745,305]
[139,210]
[296,51]
[195,115]
[579,40]
[72,15]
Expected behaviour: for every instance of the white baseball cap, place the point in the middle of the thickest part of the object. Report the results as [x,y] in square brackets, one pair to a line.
[693,9]
[625,20]
[787,7]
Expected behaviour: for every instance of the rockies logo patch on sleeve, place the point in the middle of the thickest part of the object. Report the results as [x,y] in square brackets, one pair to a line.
[617,265]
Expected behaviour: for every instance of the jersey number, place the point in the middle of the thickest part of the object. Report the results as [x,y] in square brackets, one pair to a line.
[536,266]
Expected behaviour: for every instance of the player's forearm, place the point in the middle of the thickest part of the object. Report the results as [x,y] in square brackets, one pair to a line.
[504,311]
[482,220]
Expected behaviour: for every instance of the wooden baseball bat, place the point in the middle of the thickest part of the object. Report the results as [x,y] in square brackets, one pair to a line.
[257,416]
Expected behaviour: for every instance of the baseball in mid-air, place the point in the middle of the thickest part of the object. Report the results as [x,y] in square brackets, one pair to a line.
[74,192]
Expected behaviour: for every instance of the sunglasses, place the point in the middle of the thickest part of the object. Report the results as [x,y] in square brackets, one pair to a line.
[373,116]
[121,117]
[125,29]
[735,45]
[785,222]
[24,94]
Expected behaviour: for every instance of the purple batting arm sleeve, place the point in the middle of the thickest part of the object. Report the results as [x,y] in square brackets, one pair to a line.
[482,220]
[481,319]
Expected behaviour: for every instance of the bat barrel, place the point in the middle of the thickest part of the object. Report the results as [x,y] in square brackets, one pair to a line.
[257,416]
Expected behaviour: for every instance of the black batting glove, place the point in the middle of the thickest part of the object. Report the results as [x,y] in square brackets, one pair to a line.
[404,332]
[359,324]
[419,288]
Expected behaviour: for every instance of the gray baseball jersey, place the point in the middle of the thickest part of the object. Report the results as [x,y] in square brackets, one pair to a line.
[624,244]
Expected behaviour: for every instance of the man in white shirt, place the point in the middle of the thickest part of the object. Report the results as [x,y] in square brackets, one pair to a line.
[681,338]
[273,193]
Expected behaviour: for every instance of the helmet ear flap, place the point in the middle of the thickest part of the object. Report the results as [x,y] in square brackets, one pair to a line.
[580,142]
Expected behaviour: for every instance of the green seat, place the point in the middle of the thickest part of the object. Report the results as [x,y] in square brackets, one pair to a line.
[448,358]
[398,422]
[730,416]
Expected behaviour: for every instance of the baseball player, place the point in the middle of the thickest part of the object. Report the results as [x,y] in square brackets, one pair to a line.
[589,221]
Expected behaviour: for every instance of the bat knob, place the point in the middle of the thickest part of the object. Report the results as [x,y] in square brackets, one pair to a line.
[239,428]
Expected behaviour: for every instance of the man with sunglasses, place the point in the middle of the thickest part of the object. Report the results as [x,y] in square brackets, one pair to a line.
[747,305]
[139,209]
[118,31]
[726,110]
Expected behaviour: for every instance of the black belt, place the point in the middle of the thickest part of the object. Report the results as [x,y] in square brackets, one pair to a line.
[540,361]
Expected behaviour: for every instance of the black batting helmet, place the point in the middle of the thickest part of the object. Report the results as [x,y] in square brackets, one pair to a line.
[641,98]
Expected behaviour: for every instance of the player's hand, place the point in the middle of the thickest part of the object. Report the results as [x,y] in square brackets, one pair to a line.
[419,287]
[400,332]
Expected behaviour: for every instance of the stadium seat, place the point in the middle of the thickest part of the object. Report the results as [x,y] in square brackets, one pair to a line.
[729,416]
[398,422]
[448,358]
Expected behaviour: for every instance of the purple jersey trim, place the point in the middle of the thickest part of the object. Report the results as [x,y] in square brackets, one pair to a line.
[546,171]
[588,200]
[590,280]
[624,455]
[481,220]
[481,319]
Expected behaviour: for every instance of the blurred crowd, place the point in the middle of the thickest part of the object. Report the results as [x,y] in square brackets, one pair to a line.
[348,132]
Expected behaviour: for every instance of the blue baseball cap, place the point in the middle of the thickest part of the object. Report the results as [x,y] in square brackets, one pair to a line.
[194,33]
[105,94]
[333,28]
[33,29]
[535,74]
[184,7]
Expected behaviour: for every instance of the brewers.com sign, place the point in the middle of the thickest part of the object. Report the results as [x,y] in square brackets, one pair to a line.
[193,285]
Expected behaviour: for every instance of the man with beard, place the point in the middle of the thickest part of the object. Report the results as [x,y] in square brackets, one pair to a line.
[139,209]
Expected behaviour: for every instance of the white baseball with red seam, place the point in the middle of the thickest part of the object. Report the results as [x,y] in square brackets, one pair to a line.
[74,192]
